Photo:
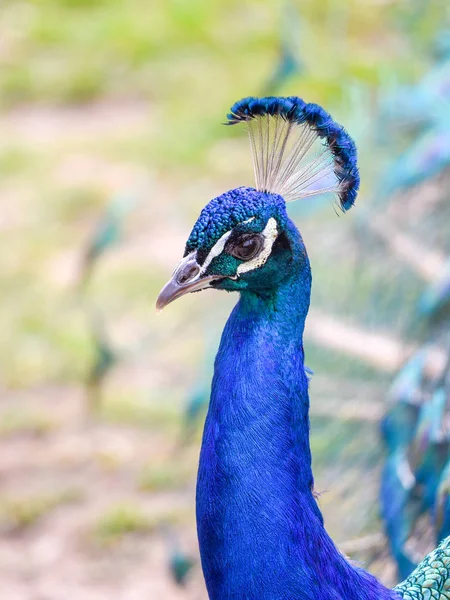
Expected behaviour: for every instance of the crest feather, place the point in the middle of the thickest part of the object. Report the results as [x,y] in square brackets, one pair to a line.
[298,149]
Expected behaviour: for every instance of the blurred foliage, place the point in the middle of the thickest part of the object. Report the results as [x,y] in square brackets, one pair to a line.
[121,520]
[127,518]
[171,477]
[24,511]
[18,421]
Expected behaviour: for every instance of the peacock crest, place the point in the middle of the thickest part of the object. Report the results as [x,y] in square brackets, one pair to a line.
[298,150]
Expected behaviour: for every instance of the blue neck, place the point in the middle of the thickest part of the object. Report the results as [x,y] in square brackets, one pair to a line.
[260,530]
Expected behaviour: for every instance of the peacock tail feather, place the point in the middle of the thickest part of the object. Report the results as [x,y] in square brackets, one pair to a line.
[431,579]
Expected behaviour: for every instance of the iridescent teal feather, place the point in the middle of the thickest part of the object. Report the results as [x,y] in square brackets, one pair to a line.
[431,579]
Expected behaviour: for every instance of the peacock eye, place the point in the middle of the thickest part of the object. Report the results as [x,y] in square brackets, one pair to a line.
[247,247]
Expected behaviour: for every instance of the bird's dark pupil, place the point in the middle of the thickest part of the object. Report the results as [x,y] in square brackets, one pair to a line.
[247,248]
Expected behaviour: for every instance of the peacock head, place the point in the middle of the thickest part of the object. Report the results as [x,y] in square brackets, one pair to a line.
[243,239]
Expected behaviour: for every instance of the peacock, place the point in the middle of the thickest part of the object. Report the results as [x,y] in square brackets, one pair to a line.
[261,532]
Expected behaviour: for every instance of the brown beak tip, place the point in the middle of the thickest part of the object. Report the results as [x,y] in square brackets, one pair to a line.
[161,303]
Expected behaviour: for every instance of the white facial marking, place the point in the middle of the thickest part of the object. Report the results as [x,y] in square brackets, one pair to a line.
[269,234]
[215,250]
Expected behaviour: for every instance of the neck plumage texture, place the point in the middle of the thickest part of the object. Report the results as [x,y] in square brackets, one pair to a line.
[260,530]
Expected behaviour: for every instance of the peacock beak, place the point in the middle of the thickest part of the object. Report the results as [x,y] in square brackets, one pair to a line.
[186,278]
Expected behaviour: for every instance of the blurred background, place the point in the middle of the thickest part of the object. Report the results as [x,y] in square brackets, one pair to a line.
[111,143]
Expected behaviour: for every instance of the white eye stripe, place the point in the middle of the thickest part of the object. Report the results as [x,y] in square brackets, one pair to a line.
[215,250]
[269,234]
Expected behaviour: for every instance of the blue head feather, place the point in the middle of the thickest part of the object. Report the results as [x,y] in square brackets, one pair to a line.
[228,210]
[242,211]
